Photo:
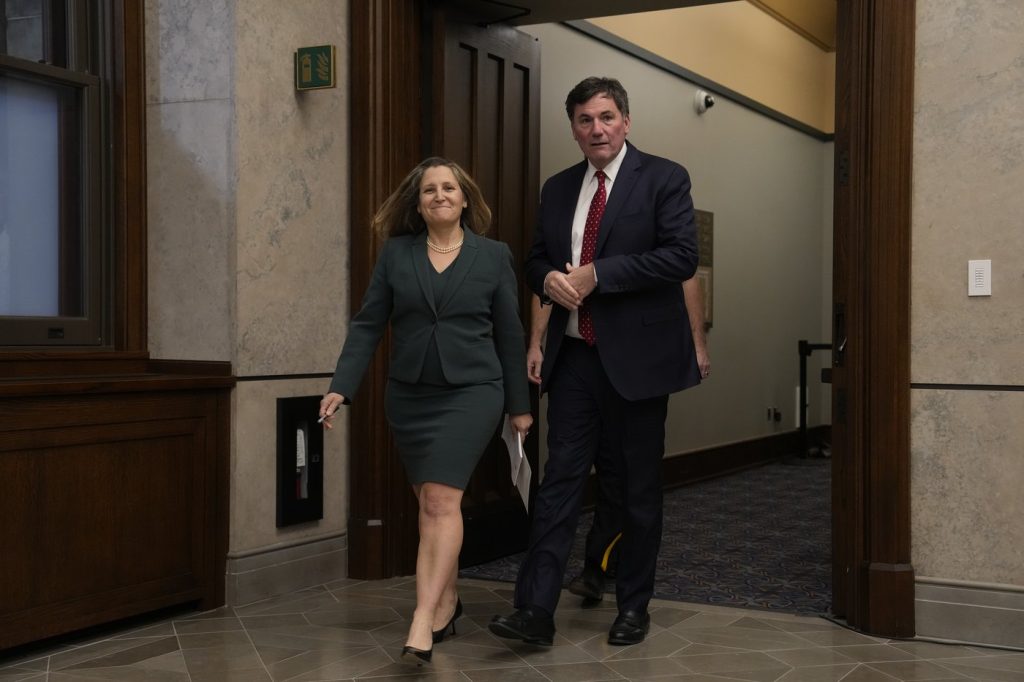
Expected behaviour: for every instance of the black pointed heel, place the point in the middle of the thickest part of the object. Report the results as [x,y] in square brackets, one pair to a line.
[418,657]
[439,635]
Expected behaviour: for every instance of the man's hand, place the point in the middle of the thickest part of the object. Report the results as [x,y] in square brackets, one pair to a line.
[582,279]
[559,290]
[569,289]
[703,360]
[534,360]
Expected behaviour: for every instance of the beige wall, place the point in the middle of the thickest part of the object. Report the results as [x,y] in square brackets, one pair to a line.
[741,47]
[968,511]
[767,186]
[248,209]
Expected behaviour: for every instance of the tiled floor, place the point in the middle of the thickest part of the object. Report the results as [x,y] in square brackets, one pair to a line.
[352,629]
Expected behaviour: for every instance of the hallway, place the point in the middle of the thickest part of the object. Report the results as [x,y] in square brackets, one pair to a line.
[354,629]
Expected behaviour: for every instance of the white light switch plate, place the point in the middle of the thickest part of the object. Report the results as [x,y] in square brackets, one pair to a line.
[979,278]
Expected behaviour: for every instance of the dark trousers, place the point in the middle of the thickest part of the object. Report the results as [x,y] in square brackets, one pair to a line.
[583,410]
[601,550]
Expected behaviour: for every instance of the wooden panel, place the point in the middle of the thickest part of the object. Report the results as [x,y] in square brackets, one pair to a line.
[873,577]
[487,140]
[128,211]
[119,501]
[135,479]
[387,142]
[459,131]
[847,526]
[488,79]
[721,460]
[32,365]
[515,216]
[890,575]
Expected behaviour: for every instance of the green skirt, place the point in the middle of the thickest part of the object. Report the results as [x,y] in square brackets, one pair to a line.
[441,431]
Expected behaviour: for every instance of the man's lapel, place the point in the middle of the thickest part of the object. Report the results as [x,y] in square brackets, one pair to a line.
[567,211]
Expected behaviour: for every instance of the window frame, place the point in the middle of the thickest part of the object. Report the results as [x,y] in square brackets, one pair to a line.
[105,60]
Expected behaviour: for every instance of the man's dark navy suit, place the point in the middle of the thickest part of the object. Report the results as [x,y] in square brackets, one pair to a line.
[646,246]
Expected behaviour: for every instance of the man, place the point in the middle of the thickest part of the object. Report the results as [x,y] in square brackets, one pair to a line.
[599,555]
[615,236]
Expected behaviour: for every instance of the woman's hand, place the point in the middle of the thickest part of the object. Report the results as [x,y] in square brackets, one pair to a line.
[522,423]
[329,407]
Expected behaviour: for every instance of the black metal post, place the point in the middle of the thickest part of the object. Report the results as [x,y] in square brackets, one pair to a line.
[805,348]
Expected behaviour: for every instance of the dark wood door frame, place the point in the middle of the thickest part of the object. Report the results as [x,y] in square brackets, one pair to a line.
[387,110]
[874,581]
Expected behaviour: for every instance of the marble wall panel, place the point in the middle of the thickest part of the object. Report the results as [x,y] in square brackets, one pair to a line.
[191,234]
[966,473]
[189,50]
[292,200]
[967,198]
[253,522]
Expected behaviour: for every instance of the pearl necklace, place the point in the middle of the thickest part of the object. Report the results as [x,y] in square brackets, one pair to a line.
[445,249]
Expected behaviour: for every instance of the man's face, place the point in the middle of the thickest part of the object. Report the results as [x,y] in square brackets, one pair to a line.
[600,129]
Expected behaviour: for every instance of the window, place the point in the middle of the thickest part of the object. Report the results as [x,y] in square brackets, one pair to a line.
[53,189]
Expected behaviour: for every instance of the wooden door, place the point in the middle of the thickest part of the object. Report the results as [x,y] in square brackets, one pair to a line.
[488,121]
[409,101]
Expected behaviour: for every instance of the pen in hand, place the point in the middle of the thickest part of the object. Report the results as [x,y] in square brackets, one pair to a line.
[326,416]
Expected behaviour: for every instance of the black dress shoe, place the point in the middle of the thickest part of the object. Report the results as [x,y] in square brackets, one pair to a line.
[439,635]
[589,584]
[630,628]
[528,624]
[417,657]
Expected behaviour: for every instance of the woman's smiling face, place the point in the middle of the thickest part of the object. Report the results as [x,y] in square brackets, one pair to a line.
[441,197]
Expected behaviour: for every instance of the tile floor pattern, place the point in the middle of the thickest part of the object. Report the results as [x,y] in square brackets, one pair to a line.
[352,629]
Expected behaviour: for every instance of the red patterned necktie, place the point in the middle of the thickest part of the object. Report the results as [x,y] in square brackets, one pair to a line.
[586,323]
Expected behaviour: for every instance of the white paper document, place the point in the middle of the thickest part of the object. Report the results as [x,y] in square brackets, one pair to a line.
[517,460]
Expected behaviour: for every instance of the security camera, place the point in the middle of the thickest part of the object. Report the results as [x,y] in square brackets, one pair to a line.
[702,101]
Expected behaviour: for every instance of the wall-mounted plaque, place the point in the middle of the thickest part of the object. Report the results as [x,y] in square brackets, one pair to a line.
[705,260]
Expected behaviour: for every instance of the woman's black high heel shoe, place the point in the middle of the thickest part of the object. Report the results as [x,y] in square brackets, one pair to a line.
[418,657]
[439,635]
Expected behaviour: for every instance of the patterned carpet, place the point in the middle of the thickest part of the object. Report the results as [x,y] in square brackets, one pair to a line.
[760,538]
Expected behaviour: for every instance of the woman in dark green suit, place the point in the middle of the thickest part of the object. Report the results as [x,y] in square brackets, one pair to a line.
[457,364]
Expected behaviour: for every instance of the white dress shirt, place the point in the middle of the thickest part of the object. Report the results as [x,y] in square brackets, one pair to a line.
[579,220]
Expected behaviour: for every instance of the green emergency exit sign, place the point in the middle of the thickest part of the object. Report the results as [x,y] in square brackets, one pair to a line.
[314,67]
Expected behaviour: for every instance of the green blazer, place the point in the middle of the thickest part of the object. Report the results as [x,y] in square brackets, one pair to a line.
[477,327]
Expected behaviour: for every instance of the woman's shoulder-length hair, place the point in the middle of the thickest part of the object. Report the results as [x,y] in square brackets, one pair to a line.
[398,216]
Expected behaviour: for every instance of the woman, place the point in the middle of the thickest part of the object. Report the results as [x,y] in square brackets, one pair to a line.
[457,364]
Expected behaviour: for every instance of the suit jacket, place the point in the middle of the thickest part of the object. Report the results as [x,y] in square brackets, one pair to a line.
[646,246]
[477,327]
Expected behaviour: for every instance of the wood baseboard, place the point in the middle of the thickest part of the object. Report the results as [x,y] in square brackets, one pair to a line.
[700,465]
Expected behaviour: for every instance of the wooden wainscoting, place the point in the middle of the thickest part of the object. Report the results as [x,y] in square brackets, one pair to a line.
[114,494]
